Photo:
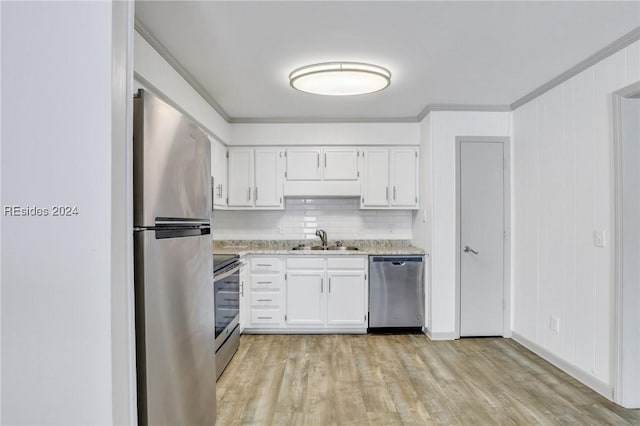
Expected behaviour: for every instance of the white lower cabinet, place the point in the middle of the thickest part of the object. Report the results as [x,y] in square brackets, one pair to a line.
[305,294]
[245,279]
[262,299]
[326,293]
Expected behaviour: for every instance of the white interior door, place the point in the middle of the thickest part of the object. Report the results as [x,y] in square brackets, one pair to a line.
[481,199]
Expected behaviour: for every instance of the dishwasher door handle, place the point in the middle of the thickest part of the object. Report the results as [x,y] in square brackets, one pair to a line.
[398,263]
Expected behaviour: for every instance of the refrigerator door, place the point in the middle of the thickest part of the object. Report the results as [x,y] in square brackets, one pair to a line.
[175,330]
[172,164]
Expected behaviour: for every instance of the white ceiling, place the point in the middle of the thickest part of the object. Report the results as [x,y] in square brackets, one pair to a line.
[467,53]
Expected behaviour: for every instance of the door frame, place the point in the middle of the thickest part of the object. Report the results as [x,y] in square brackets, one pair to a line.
[506,310]
[617,351]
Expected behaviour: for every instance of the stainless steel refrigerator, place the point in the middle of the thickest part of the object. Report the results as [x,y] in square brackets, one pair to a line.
[174,305]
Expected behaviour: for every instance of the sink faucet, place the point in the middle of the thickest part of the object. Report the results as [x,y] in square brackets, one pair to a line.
[323,236]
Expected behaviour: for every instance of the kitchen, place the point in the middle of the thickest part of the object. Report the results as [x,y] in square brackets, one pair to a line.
[83,322]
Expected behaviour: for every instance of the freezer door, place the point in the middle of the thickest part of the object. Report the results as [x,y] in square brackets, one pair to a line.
[175,330]
[172,164]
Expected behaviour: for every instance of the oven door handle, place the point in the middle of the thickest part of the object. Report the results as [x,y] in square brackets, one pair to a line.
[228,273]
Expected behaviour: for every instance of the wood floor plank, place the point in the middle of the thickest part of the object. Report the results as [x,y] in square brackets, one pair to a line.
[320,380]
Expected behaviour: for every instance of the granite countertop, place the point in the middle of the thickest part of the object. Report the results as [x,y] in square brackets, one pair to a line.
[284,247]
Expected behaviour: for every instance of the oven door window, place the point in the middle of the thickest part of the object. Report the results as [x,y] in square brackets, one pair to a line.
[227,300]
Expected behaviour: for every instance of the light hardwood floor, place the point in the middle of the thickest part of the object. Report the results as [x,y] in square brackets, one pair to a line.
[402,380]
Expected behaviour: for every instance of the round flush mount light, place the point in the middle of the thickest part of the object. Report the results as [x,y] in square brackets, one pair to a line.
[340,78]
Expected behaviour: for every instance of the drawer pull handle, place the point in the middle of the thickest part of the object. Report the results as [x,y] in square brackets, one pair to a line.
[265,317]
[265,282]
[263,264]
[265,300]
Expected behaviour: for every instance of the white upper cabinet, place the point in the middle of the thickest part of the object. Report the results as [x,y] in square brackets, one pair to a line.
[303,164]
[404,178]
[255,178]
[375,187]
[219,173]
[340,164]
[390,178]
[240,177]
[268,178]
[328,164]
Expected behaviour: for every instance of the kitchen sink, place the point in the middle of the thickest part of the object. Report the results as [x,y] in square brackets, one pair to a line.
[309,248]
[340,248]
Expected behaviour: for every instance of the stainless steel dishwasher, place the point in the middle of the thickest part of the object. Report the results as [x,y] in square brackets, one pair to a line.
[396,293]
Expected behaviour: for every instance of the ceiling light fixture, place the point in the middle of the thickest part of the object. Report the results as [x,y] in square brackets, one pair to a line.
[340,78]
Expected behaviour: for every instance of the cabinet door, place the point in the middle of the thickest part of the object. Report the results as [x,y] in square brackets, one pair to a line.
[303,164]
[268,178]
[404,177]
[346,298]
[219,173]
[375,188]
[305,298]
[245,298]
[240,177]
[340,164]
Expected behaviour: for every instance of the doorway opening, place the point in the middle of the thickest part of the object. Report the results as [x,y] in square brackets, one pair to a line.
[626,347]
[483,248]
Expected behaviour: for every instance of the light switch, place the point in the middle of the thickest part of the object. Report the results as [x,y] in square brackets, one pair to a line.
[599,238]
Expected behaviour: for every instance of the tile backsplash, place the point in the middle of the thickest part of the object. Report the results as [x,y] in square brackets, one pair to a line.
[340,217]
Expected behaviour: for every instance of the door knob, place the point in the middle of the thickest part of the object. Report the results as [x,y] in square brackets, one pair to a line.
[468,249]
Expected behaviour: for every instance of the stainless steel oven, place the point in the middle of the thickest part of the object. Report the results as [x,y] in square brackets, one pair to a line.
[226,285]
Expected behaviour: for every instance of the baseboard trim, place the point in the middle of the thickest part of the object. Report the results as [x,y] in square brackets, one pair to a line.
[303,331]
[577,373]
[440,335]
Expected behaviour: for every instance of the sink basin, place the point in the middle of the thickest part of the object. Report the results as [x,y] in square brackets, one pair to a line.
[309,248]
[339,248]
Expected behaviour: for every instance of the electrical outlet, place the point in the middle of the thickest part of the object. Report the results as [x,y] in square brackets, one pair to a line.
[599,238]
[554,324]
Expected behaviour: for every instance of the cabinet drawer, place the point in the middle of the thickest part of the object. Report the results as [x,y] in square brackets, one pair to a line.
[265,264]
[266,299]
[304,262]
[346,262]
[265,282]
[266,316]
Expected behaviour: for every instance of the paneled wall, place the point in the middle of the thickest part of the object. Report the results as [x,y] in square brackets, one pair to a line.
[340,217]
[563,189]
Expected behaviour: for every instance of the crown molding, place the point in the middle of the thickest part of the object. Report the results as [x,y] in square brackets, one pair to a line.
[312,120]
[164,52]
[619,44]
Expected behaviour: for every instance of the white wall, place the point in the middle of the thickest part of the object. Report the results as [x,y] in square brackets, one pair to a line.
[340,217]
[421,231]
[153,72]
[563,189]
[444,127]
[325,134]
[57,271]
